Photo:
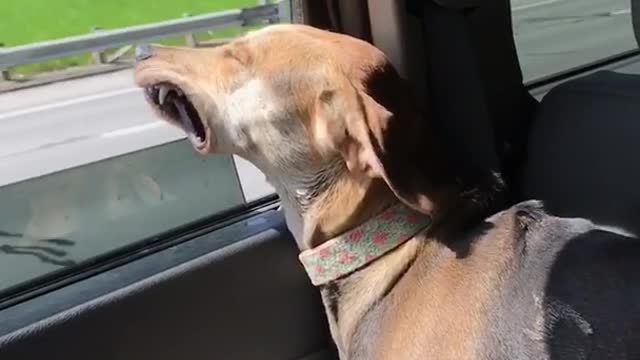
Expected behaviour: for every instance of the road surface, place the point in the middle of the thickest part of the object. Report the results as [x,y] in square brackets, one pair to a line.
[71,123]
[555,35]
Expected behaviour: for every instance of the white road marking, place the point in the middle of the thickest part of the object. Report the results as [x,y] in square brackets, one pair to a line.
[132,129]
[534,5]
[60,104]
[621,12]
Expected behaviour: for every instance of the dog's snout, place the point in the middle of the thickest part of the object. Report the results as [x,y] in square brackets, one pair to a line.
[143,52]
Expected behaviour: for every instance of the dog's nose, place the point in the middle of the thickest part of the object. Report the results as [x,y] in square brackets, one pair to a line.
[143,52]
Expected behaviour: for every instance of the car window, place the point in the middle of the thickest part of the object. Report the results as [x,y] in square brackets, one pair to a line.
[554,36]
[86,168]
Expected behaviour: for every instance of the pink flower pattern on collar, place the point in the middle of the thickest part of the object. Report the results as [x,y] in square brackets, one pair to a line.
[362,245]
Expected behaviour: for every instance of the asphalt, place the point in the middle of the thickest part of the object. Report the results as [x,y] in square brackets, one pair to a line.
[555,35]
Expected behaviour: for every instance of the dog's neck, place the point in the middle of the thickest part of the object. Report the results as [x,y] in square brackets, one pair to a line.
[346,203]
[348,300]
[328,202]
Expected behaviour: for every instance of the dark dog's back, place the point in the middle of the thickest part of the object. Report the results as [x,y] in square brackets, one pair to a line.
[573,291]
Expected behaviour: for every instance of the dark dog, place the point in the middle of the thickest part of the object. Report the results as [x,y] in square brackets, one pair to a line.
[406,266]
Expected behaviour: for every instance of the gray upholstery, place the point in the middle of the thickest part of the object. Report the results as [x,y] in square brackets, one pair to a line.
[584,150]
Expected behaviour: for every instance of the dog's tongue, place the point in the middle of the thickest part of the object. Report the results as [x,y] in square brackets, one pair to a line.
[184,117]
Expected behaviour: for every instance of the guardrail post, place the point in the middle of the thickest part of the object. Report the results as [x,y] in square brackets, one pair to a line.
[4,73]
[97,56]
[284,11]
[189,38]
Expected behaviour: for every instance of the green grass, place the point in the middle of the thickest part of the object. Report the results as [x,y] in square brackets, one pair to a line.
[29,21]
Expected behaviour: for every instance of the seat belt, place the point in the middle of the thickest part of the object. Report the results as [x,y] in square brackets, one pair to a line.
[475,93]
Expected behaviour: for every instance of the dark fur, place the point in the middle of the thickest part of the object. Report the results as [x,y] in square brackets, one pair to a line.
[518,285]
[587,286]
[570,292]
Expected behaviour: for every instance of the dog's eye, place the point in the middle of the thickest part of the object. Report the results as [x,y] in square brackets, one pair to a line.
[239,53]
[229,54]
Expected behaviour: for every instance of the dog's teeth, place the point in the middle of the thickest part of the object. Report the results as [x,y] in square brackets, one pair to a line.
[164,90]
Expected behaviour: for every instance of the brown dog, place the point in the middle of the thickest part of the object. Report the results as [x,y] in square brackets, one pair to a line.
[406,266]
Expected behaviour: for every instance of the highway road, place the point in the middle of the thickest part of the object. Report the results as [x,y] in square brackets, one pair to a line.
[555,35]
[71,123]
[64,125]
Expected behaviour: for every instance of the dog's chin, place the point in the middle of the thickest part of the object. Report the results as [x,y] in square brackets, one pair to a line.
[171,104]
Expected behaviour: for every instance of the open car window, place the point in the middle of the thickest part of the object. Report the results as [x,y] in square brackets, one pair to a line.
[87,171]
[556,36]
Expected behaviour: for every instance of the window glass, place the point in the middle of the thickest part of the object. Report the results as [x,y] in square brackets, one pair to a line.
[86,168]
[65,218]
[556,35]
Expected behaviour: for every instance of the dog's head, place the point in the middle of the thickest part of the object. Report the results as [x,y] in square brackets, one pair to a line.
[306,106]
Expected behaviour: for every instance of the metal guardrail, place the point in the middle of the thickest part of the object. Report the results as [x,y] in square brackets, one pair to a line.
[11,56]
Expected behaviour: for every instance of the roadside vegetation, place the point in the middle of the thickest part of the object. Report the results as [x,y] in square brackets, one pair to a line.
[29,21]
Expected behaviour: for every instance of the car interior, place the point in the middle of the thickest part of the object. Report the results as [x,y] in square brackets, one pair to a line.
[232,287]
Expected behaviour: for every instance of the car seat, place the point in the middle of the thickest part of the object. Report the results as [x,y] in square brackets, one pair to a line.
[575,150]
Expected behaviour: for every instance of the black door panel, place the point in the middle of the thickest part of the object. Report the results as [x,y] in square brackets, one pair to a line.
[247,300]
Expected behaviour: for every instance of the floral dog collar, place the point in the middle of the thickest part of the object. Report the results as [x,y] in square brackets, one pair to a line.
[362,245]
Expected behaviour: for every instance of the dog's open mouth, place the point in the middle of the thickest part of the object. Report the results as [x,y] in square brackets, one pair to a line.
[176,106]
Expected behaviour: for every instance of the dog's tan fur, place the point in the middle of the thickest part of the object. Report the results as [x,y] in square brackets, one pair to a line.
[332,125]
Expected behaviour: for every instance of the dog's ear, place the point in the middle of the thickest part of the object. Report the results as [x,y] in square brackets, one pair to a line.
[385,139]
